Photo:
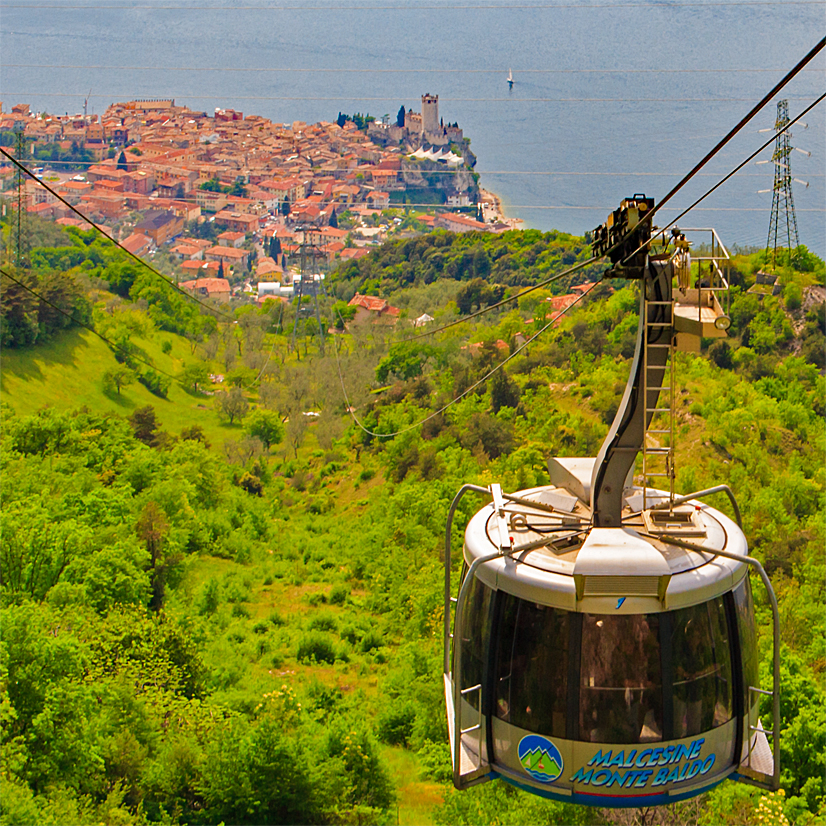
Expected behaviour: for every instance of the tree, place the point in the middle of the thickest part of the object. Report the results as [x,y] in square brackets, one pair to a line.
[296,430]
[152,527]
[212,185]
[404,361]
[122,162]
[233,404]
[285,207]
[267,426]
[341,119]
[504,391]
[194,374]
[333,219]
[400,117]
[117,378]
[145,424]
[238,190]
[220,269]
[275,248]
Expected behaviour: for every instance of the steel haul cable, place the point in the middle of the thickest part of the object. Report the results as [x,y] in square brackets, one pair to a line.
[83,324]
[484,378]
[120,246]
[733,172]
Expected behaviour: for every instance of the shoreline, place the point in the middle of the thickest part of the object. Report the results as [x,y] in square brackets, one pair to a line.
[492,210]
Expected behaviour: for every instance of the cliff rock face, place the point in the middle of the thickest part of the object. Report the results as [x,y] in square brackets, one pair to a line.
[440,178]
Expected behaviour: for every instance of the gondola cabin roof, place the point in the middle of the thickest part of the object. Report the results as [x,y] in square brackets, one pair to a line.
[659,560]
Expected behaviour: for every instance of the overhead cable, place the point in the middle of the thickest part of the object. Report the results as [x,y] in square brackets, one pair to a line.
[492,307]
[382,71]
[131,254]
[48,164]
[484,378]
[735,129]
[327,9]
[388,98]
[83,324]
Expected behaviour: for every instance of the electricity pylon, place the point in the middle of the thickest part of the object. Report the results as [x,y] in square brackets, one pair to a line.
[310,281]
[21,236]
[783,222]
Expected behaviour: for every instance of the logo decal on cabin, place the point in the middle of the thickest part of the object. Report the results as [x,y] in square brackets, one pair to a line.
[540,758]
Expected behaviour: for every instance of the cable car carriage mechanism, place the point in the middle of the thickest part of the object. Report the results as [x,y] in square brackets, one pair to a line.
[602,647]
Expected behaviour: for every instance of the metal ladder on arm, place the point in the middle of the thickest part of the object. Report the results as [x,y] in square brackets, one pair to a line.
[658,462]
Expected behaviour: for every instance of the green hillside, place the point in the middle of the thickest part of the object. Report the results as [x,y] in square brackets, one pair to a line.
[207,621]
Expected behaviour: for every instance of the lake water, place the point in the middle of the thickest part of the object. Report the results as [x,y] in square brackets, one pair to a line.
[611,98]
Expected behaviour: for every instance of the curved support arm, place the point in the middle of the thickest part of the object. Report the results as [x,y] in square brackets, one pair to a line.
[775,637]
[775,658]
[457,673]
[453,505]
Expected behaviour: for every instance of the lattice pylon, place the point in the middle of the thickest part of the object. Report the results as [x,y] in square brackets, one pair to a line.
[783,222]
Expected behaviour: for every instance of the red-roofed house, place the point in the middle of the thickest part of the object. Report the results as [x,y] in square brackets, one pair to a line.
[378,200]
[211,287]
[200,268]
[353,253]
[137,243]
[240,222]
[372,308]
[459,223]
[228,255]
[232,238]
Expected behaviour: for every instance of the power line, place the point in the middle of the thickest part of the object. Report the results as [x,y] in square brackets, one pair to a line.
[83,324]
[47,164]
[733,171]
[818,47]
[382,71]
[388,98]
[137,258]
[502,303]
[484,378]
[327,9]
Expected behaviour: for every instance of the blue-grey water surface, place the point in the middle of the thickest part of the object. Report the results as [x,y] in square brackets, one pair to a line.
[611,97]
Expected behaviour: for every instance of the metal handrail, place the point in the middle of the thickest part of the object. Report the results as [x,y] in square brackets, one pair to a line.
[700,494]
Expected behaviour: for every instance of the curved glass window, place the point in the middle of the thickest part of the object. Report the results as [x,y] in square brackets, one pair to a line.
[532,666]
[748,641]
[620,692]
[475,637]
[701,656]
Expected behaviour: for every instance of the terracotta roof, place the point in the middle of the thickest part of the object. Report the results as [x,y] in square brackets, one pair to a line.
[369,302]
[211,285]
[136,242]
[227,252]
[200,265]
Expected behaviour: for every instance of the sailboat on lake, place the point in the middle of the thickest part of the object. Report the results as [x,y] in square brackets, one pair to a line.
[510,79]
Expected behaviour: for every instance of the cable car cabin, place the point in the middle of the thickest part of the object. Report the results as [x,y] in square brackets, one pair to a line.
[603,648]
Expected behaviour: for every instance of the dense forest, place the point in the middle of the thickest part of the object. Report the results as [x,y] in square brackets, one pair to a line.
[222,600]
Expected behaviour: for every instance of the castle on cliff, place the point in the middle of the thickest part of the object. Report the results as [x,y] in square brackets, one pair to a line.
[420,128]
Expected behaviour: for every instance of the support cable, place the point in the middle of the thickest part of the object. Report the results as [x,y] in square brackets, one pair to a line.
[818,47]
[137,258]
[501,303]
[83,324]
[484,378]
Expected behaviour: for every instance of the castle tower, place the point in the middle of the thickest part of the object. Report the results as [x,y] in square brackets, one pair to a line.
[430,114]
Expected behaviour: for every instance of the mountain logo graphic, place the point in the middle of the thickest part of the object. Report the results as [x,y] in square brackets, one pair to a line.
[540,758]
